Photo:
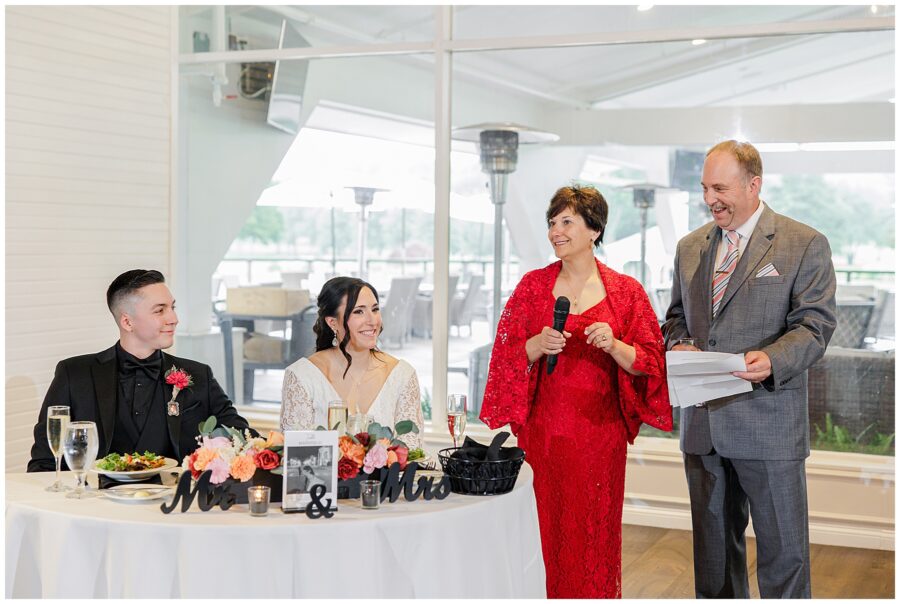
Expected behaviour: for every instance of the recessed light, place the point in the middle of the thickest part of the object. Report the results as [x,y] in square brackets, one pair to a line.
[644,7]
[698,41]
[874,9]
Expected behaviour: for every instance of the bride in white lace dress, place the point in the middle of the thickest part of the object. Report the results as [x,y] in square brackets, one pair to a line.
[348,366]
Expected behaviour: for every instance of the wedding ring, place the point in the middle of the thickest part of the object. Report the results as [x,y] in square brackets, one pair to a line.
[603,337]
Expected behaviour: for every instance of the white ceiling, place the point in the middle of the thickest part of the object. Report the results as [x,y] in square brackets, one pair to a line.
[777,70]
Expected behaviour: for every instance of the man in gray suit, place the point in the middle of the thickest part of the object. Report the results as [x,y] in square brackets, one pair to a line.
[757,283]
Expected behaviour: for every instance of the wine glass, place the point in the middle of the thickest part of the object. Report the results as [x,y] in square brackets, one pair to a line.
[337,415]
[57,421]
[456,416]
[80,445]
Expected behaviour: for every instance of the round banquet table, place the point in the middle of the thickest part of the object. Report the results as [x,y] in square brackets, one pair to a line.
[459,547]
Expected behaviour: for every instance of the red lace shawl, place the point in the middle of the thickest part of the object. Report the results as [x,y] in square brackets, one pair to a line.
[511,386]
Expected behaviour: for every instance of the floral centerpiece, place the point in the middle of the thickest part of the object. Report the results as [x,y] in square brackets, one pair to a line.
[366,453]
[231,455]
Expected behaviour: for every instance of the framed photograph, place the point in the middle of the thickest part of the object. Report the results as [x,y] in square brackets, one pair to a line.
[310,458]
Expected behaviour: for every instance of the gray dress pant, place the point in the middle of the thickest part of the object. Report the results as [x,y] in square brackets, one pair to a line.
[724,494]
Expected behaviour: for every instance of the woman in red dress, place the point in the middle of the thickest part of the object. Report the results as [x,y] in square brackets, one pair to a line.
[574,423]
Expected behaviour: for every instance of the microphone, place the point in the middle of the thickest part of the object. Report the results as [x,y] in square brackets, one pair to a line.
[560,314]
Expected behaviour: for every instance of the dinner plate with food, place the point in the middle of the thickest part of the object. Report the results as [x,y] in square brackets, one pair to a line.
[130,467]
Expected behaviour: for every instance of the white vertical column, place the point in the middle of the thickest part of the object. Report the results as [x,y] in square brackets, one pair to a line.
[443,78]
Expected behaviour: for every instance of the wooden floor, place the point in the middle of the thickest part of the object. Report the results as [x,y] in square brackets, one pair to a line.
[658,563]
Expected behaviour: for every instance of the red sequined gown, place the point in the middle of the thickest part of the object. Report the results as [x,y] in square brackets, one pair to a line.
[575,423]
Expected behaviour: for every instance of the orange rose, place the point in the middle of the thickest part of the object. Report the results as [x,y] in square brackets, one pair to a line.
[352,451]
[274,439]
[243,467]
[392,459]
[385,442]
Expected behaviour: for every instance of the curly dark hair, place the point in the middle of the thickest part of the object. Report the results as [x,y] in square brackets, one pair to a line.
[329,301]
[587,202]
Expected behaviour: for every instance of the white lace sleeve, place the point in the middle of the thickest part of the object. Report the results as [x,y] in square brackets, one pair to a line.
[298,411]
[409,406]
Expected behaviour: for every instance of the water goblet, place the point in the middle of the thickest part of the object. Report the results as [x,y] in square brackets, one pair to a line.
[80,445]
[358,422]
[57,421]
[456,417]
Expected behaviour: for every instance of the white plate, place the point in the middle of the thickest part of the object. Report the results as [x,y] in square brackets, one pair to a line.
[170,464]
[426,464]
[136,492]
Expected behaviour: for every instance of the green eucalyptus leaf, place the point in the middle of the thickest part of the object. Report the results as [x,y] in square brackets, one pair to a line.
[220,431]
[235,434]
[279,471]
[276,448]
[406,426]
[374,428]
[208,425]
[397,443]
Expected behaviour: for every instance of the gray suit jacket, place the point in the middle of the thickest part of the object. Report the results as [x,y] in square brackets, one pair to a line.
[789,316]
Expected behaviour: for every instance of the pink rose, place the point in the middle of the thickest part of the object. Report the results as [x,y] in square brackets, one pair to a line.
[402,455]
[375,458]
[216,443]
[220,470]
[267,460]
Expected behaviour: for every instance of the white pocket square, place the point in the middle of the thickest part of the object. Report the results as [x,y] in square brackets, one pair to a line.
[767,271]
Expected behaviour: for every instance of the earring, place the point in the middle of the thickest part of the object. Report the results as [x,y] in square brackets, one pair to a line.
[334,340]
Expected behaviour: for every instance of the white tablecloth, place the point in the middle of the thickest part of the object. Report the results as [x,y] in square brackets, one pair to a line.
[460,547]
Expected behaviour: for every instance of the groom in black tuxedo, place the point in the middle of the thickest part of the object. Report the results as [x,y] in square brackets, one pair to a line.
[123,389]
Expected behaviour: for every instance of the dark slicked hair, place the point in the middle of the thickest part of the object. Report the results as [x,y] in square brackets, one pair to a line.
[587,202]
[127,284]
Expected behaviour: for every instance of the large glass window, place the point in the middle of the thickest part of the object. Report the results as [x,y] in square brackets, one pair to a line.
[285,152]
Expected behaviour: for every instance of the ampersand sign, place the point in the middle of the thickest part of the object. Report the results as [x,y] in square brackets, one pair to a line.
[316,508]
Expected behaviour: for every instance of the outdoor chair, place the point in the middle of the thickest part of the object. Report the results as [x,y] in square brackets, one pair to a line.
[463,308]
[421,326]
[852,323]
[398,309]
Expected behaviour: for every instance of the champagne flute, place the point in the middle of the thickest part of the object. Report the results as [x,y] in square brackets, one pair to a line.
[80,445]
[456,417]
[57,421]
[337,416]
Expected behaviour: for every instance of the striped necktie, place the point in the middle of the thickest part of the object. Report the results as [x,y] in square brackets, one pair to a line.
[720,280]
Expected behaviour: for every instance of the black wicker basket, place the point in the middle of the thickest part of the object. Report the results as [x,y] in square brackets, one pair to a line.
[474,477]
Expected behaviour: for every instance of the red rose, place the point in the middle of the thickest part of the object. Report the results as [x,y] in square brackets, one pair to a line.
[363,438]
[267,460]
[195,473]
[402,454]
[347,469]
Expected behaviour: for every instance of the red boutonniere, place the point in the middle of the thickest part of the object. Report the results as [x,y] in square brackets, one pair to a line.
[179,379]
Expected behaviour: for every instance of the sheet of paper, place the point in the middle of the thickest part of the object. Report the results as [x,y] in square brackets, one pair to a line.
[698,377]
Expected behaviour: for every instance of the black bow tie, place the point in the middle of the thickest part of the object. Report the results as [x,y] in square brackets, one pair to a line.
[149,366]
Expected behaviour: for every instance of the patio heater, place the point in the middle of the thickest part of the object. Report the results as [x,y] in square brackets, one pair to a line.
[644,199]
[363,196]
[499,143]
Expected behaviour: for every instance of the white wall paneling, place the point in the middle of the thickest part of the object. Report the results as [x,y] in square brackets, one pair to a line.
[87,183]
